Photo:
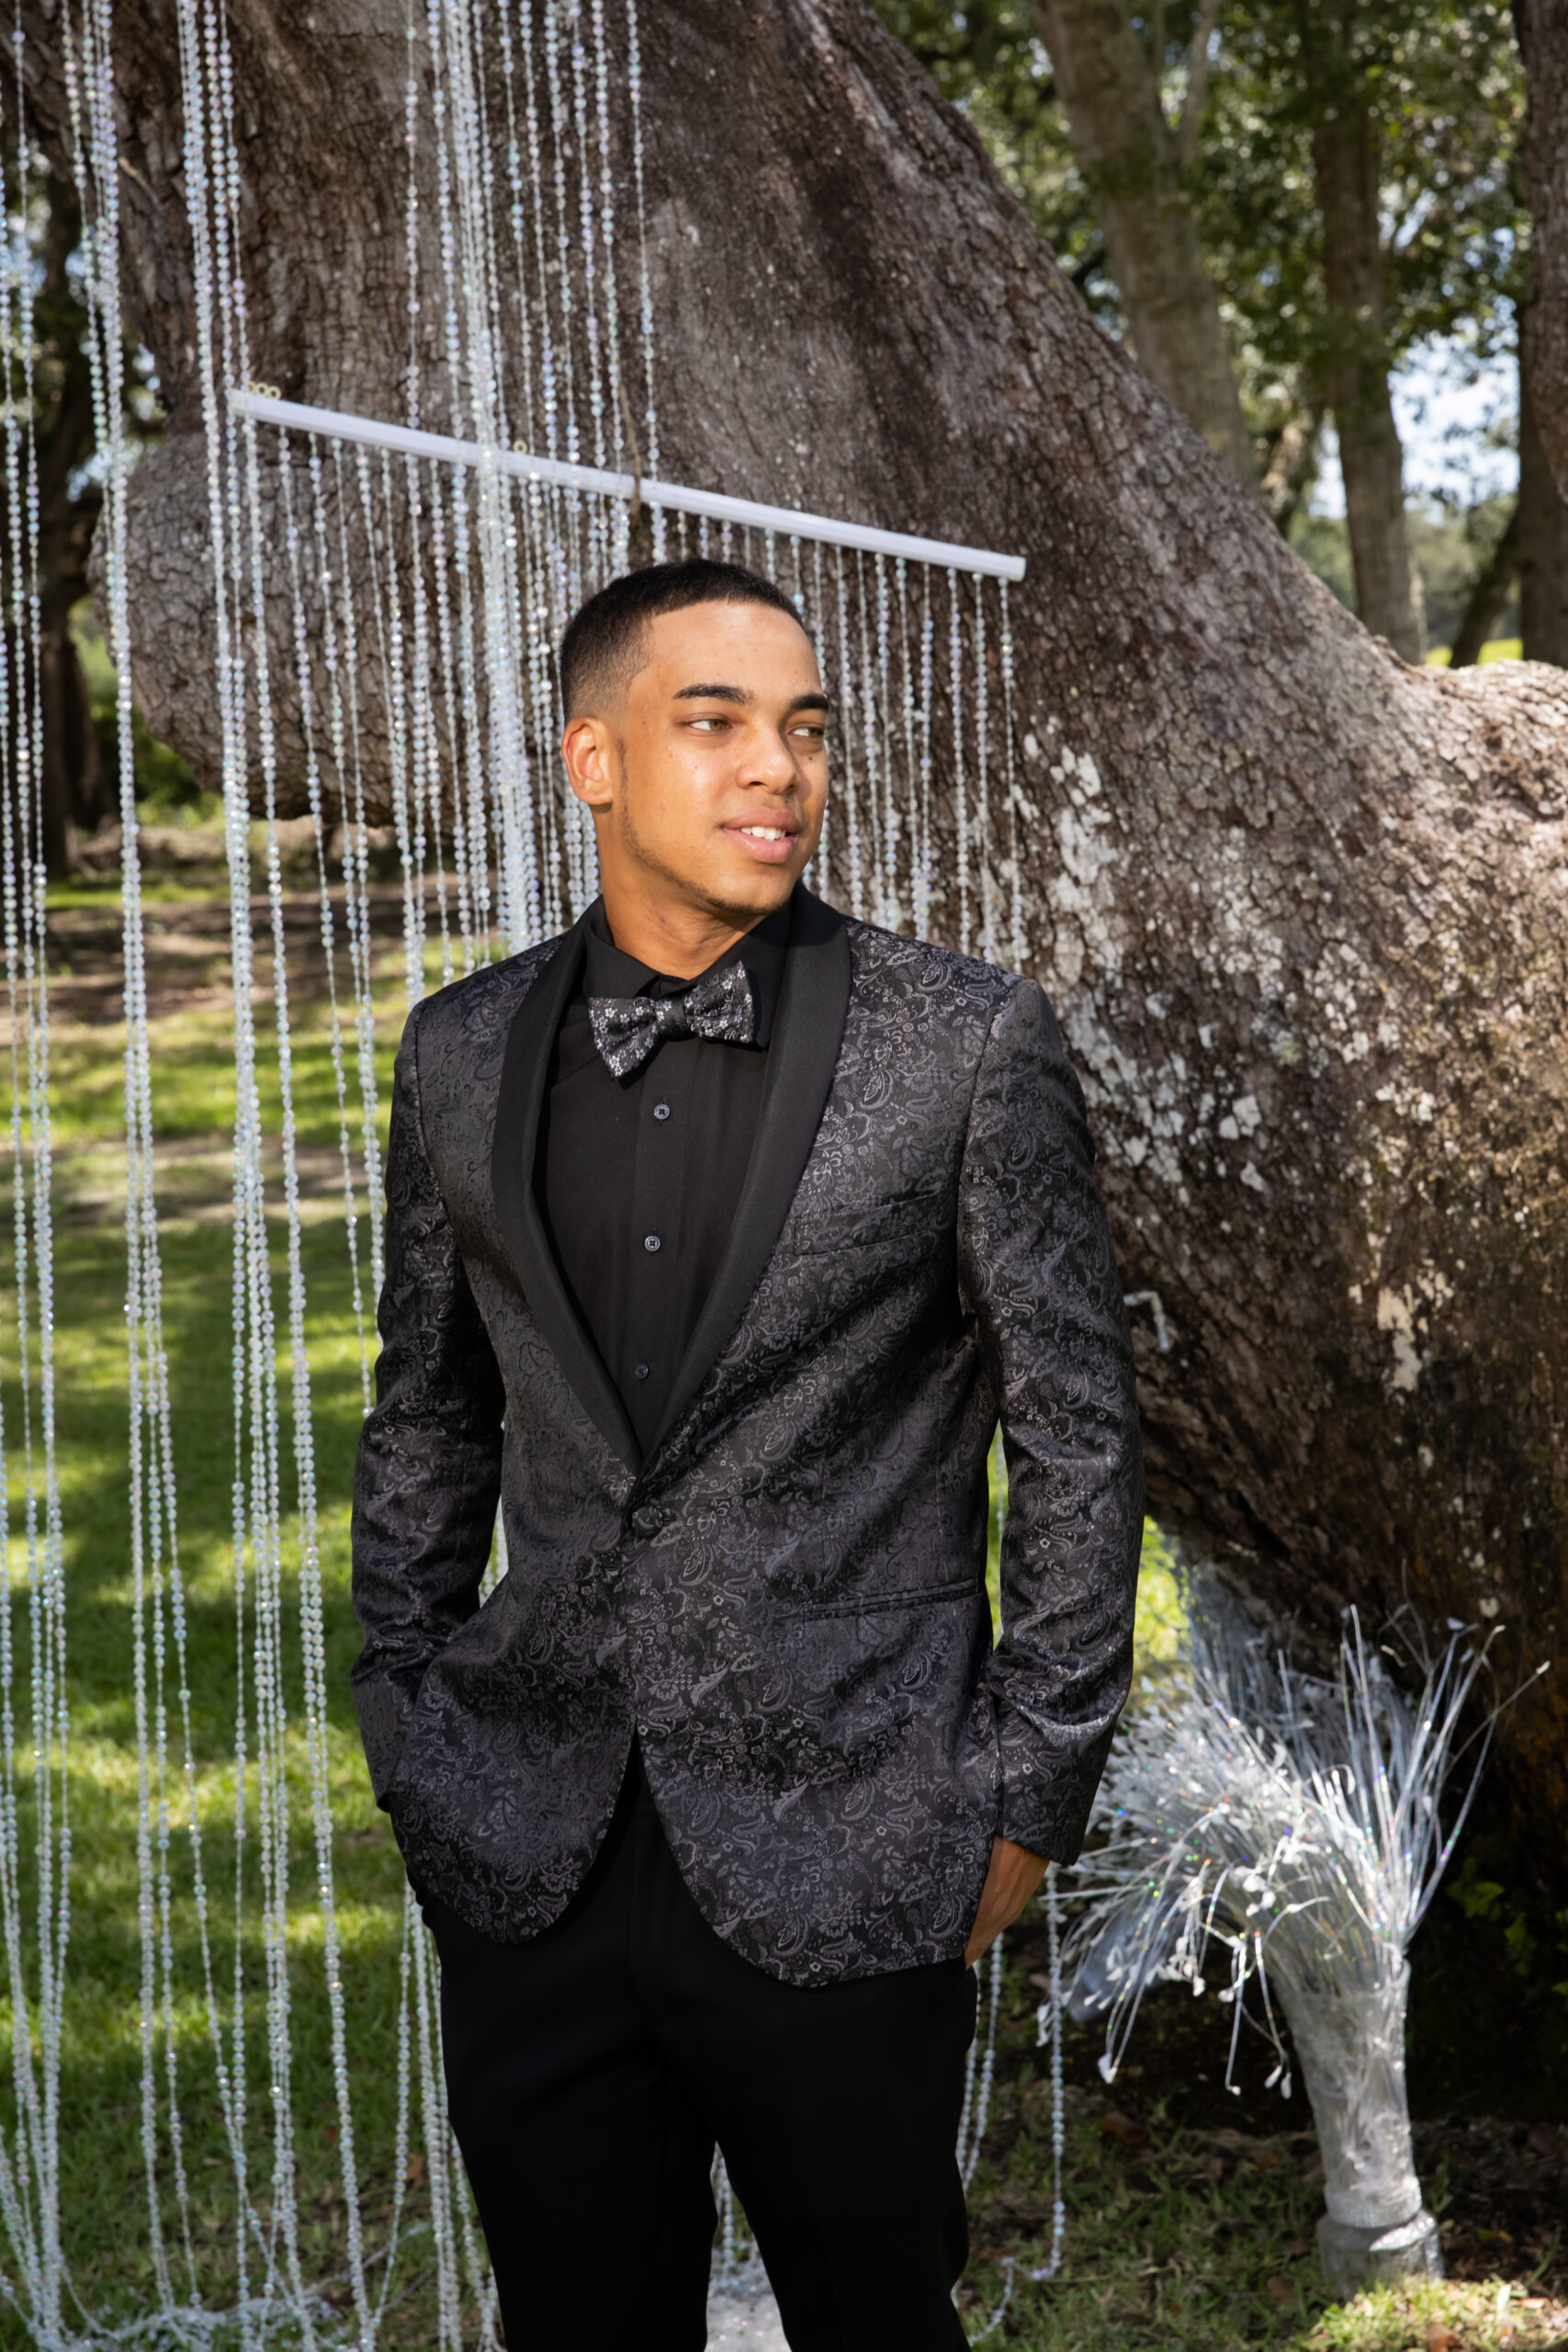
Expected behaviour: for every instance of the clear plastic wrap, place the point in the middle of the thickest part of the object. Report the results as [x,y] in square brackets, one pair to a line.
[1350,2046]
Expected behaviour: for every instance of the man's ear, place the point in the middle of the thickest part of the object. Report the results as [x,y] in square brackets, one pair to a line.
[588,749]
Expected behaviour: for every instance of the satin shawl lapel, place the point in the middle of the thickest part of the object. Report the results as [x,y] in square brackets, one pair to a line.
[803,1053]
[522,1075]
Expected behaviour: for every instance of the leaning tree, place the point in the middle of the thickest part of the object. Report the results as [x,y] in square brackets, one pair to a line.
[1301,907]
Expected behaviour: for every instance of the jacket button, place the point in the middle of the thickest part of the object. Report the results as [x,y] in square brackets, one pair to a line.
[647,1519]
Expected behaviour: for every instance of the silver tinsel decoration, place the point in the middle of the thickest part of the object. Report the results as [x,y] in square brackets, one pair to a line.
[1284,1828]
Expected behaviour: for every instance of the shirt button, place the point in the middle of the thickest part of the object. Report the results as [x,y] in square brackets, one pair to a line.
[650,1241]
[639,1371]
[661,1110]
[647,1519]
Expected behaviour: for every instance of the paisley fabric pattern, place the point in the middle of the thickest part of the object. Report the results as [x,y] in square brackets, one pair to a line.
[786,1602]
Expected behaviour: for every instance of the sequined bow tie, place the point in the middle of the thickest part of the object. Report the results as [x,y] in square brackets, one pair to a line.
[627,1028]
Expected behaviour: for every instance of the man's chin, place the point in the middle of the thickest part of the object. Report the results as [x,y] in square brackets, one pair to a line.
[755,892]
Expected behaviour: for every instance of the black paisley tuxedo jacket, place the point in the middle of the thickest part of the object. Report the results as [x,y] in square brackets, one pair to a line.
[785,1599]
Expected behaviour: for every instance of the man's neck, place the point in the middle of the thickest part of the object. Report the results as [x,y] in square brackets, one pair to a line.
[680,941]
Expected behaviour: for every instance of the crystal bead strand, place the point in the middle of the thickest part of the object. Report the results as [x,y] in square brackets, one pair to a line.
[551,32]
[587,239]
[1017,943]
[401,2127]
[408,800]
[33,2190]
[928,645]
[267,1450]
[464,299]
[471,845]
[298,555]
[847,737]
[518,825]
[411,209]
[977,2114]
[1048,2026]
[475,17]
[821,867]
[645,292]
[911,765]
[202,208]
[313,1627]
[509,759]
[244,505]
[389,645]
[541,306]
[425,771]
[437,2141]
[982,778]
[892,916]
[468,673]
[356,877]
[876,844]
[607,225]
[530,420]
[960,792]
[50,1782]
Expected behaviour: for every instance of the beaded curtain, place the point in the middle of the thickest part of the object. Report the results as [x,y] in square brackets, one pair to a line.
[384,625]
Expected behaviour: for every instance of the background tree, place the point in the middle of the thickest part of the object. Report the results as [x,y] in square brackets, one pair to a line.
[1300,904]
[1543,37]
[1448,110]
[1110,72]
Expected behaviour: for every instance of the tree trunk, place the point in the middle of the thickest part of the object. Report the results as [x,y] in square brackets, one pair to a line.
[1109,87]
[1491,593]
[1543,541]
[1345,159]
[1542,27]
[1301,906]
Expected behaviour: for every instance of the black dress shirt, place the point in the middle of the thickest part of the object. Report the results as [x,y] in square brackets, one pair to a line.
[638,1178]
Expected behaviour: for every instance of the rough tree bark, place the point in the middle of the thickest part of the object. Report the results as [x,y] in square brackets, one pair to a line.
[1134,163]
[1344,162]
[1302,906]
[1542,27]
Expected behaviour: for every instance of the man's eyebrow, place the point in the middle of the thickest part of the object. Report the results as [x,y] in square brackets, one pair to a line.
[738,695]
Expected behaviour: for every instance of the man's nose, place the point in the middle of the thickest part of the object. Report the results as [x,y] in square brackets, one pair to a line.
[771,761]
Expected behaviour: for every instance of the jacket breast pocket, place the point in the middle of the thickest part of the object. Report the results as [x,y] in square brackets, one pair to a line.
[875,1603]
[911,1223]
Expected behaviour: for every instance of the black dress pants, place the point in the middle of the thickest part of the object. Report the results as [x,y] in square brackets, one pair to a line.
[590,2071]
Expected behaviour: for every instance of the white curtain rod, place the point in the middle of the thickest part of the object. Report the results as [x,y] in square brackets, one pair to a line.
[297,418]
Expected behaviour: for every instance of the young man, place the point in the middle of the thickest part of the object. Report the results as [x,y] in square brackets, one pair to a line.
[721,1232]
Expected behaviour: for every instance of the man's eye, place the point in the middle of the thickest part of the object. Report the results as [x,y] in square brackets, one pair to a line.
[711,725]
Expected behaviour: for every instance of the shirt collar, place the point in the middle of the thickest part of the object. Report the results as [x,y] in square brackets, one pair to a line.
[610,972]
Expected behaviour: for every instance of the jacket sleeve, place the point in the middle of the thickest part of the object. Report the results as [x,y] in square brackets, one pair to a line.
[428,1476]
[1041,1280]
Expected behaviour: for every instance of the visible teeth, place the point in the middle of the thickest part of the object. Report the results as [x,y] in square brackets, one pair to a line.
[766,832]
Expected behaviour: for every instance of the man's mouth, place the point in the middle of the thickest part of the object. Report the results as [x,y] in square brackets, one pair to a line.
[767,844]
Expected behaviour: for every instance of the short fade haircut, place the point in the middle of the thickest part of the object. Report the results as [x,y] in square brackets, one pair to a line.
[599,653]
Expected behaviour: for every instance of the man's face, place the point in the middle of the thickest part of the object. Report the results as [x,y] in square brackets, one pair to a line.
[710,780]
